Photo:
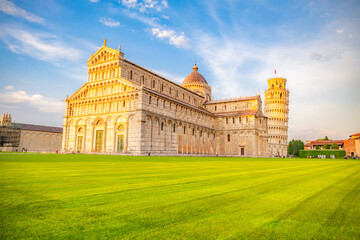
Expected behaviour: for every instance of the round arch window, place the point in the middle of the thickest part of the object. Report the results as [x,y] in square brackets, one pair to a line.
[121,127]
[99,122]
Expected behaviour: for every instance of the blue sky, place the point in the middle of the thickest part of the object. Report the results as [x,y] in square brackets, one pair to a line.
[236,44]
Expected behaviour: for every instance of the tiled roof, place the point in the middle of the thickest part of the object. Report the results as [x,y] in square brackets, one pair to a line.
[321,143]
[163,78]
[24,126]
[194,77]
[223,114]
[240,113]
[356,135]
[176,100]
[233,99]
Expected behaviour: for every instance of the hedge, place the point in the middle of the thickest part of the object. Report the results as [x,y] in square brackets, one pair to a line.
[337,153]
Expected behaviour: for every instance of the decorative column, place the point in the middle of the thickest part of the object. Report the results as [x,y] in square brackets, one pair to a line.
[114,138]
[84,138]
[92,137]
[126,135]
[75,138]
[105,133]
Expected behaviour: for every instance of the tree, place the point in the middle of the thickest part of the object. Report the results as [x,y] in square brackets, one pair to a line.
[323,139]
[334,146]
[326,146]
[317,147]
[295,146]
[290,148]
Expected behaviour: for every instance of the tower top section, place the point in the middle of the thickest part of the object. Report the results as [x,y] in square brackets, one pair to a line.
[277,83]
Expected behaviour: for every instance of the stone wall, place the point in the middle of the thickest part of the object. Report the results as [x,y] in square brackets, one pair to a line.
[158,124]
[40,141]
[352,147]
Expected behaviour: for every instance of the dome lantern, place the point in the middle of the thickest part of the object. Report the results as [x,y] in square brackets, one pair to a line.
[194,77]
[197,83]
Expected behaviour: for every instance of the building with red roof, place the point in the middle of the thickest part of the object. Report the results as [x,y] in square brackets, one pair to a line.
[313,144]
[352,145]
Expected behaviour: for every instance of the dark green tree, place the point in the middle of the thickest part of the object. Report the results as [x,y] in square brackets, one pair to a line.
[295,146]
[334,146]
[290,148]
[326,138]
[317,147]
[326,146]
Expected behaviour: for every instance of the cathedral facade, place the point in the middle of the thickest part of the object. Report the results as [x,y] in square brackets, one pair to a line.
[127,109]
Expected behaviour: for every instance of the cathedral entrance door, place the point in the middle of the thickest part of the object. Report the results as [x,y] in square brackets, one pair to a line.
[242,150]
[120,143]
[99,140]
[79,143]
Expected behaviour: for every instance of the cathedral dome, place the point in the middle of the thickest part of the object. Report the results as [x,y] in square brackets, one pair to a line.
[194,77]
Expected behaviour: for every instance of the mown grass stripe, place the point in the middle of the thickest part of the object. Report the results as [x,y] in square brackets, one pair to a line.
[92,197]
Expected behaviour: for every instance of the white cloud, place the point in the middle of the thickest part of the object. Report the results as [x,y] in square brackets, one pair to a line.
[11,9]
[327,56]
[41,46]
[340,30]
[237,63]
[94,1]
[129,3]
[178,40]
[43,104]
[322,76]
[146,5]
[161,31]
[109,22]
[165,3]
[9,87]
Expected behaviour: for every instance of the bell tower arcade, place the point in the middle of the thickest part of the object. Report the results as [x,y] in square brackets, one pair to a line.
[276,108]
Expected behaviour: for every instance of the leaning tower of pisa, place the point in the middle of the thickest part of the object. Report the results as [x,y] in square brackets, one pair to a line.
[276,108]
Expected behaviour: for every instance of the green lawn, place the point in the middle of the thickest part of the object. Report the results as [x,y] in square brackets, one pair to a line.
[98,197]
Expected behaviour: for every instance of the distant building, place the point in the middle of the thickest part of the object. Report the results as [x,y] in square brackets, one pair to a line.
[9,133]
[309,145]
[352,145]
[21,136]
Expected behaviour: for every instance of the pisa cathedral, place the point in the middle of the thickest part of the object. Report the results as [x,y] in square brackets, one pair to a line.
[127,109]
